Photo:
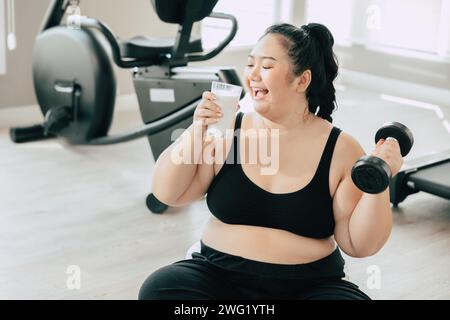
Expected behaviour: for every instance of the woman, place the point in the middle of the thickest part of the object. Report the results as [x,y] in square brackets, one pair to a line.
[277,236]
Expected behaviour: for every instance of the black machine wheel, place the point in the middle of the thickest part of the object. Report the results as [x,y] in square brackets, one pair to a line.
[154,205]
[71,68]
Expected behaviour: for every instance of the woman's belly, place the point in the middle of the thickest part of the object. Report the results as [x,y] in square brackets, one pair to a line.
[265,244]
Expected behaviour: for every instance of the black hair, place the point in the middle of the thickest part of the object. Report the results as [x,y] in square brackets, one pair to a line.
[311,47]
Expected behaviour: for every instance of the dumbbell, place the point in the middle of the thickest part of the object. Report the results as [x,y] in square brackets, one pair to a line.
[372,174]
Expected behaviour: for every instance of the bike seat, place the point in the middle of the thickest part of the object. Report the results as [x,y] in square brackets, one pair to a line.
[175,11]
[143,47]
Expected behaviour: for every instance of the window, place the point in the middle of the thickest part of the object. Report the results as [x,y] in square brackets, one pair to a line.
[336,15]
[400,26]
[253,17]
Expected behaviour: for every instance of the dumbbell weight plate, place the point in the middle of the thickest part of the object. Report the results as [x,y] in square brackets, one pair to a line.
[398,131]
[371,174]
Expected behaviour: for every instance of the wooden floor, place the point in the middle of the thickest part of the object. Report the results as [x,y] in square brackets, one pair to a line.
[63,205]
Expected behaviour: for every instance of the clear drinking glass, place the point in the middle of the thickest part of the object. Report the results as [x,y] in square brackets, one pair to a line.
[227,98]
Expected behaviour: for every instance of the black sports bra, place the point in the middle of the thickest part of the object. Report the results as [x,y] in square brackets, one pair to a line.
[234,199]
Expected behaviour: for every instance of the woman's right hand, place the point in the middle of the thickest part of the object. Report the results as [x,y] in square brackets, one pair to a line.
[207,111]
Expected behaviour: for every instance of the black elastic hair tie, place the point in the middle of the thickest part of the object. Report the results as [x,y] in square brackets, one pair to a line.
[306,30]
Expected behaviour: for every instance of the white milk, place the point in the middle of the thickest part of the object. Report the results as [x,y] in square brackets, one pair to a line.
[227,98]
[228,104]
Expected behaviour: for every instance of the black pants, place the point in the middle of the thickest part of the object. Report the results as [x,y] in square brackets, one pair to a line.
[212,274]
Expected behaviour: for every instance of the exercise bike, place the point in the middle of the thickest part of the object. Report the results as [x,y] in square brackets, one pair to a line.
[75,84]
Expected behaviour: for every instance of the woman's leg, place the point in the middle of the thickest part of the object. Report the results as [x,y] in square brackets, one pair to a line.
[186,280]
[334,290]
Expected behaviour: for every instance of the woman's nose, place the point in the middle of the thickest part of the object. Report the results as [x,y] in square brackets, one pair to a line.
[254,75]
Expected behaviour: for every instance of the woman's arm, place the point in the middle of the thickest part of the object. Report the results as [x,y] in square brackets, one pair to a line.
[363,221]
[175,168]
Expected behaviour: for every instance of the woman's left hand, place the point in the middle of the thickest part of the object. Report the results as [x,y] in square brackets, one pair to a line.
[389,151]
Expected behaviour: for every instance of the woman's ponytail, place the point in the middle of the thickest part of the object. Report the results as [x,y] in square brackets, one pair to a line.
[327,68]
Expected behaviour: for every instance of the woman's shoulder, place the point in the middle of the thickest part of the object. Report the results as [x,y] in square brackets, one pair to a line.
[347,149]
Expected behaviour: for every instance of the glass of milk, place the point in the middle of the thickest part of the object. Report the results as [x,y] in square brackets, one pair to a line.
[227,98]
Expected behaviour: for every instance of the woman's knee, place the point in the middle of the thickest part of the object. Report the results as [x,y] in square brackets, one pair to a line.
[339,295]
[342,290]
[156,285]
[183,280]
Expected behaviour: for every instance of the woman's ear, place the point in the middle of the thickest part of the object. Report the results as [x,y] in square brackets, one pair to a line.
[303,81]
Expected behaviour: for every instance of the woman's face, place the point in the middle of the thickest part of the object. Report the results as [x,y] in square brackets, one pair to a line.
[269,78]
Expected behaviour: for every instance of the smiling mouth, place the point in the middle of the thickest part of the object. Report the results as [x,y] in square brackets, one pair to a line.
[259,93]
